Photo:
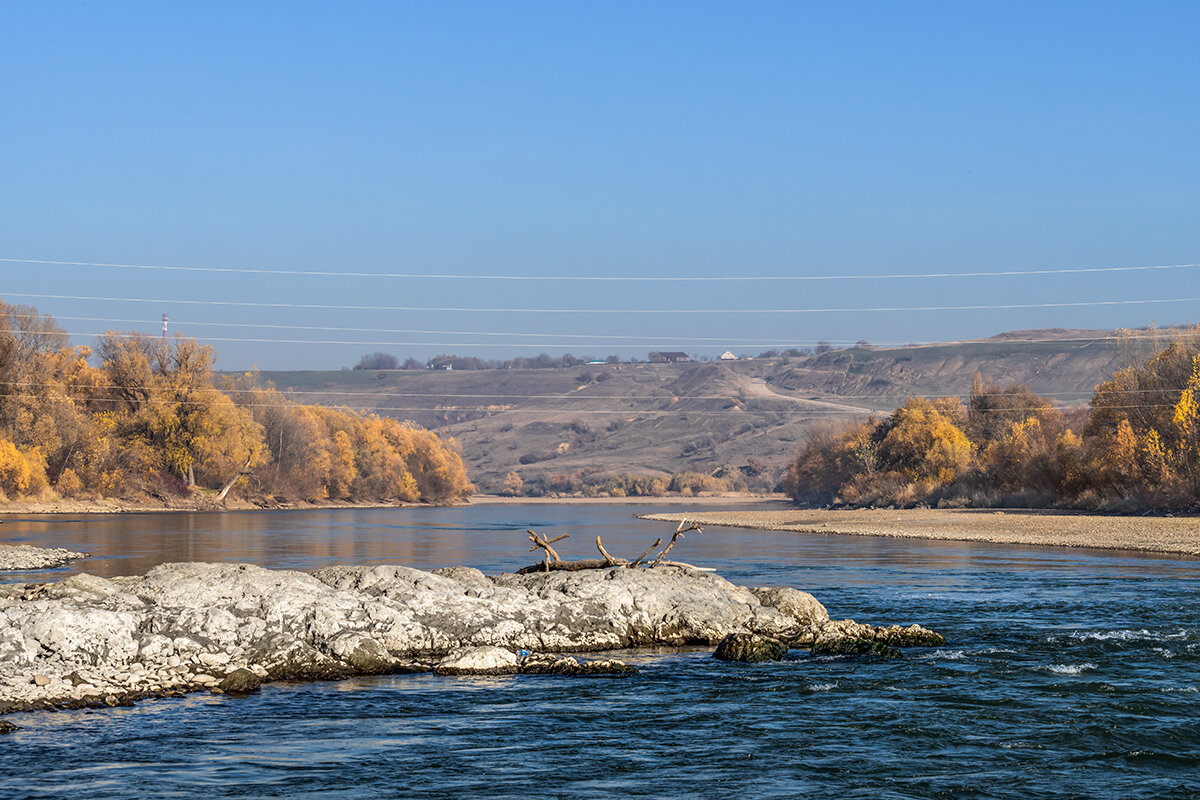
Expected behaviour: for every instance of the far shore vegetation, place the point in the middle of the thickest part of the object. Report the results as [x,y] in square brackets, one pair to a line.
[1135,448]
[144,419]
[753,477]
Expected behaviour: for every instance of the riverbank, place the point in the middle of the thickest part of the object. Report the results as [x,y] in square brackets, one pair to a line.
[201,503]
[720,499]
[198,504]
[1047,528]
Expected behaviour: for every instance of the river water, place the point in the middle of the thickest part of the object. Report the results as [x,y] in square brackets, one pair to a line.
[1068,674]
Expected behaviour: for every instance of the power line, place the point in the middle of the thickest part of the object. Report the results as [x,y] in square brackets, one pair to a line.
[387,343]
[577,395]
[673,311]
[626,412]
[769,343]
[601,278]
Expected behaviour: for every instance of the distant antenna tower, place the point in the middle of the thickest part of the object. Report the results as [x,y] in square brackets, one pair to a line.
[164,327]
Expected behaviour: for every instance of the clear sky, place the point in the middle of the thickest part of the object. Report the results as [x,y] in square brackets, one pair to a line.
[607,139]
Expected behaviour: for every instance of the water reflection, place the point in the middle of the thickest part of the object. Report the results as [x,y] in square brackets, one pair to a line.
[493,539]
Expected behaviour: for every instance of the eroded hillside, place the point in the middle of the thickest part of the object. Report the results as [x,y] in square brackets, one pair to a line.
[669,418]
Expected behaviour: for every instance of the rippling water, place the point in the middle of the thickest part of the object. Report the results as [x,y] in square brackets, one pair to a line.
[1068,673]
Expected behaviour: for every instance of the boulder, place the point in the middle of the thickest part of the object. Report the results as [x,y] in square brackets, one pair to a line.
[478,661]
[805,609]
[6,726]
[892,635]
[240,681]
[850,646]
[545,664]
[750,648]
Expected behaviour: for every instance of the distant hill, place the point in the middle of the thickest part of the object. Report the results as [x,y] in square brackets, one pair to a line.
[667,418]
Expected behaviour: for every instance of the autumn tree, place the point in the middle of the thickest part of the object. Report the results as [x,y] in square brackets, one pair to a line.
[165,407]
[922,442]
[512,485]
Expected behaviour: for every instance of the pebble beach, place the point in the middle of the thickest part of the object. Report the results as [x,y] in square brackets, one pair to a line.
[1150,534]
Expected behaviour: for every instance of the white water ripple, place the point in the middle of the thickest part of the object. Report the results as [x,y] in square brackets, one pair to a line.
[1067,669]
[1128,635]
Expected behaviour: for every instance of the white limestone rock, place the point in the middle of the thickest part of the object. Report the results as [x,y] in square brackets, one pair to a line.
[478,661]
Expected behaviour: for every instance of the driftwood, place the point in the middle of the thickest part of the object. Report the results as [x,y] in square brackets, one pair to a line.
[609,561]
[544,544]
[638,560]
[679,532]
[553,563]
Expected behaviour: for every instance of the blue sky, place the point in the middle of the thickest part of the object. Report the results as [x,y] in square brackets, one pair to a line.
[605,139]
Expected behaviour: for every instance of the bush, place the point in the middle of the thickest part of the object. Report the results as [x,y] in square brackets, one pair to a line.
[21,474]
[378,361]
[69,484]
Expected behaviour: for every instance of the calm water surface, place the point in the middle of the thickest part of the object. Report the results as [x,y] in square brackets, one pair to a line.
[1068,673]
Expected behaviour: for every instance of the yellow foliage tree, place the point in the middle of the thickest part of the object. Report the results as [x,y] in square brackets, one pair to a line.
[923,444]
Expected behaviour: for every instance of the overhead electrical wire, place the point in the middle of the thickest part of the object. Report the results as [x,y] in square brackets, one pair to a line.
[601,278]
[628,412]
[760,342]
[768,343]
[578,395]
[673,311]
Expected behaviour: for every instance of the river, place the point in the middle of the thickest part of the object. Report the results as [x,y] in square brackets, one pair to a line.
[1069,673]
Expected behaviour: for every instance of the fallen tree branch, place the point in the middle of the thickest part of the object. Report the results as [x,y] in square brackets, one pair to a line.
[679,532]
[638,560]
[553,563]
[609,561]
[566,566]
[544,544]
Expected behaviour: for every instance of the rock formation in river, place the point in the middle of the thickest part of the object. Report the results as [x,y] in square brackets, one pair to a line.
[183,627]
[27,557]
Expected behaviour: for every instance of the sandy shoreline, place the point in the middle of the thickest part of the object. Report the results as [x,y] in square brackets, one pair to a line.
[1047,528]
[25,508]
[28,508]
[724,499]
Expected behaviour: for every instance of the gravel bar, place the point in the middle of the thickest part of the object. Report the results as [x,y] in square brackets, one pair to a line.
[1050,528]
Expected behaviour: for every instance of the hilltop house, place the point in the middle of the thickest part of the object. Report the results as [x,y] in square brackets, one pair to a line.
[672,358]
[728,356]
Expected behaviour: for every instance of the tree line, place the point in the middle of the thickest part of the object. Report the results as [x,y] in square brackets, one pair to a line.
[387,361]
[1135,447]
[152,419]
[600,483]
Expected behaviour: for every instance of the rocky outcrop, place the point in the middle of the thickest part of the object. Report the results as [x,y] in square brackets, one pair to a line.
[847,637]
[188,627]
[750,648]
[545,664]
[805,609]
[892,636]
[849,646]
[227,627]
[488,660]
[25,557]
